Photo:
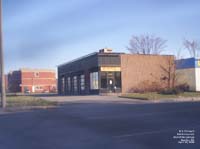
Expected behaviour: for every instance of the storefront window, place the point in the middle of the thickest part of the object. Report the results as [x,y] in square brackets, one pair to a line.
[118,79]
[63,84]
[103,80]
[69,84]
[94,80]
[75,84]
[110,80]
[82,80]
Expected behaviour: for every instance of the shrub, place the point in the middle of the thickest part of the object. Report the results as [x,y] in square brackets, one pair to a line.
[176,90]
[183,87]
[146,86]
[173,91]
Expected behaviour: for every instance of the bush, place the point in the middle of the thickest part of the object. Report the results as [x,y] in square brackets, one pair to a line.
[146,86]
[183,87]
[176,90]
[173,91]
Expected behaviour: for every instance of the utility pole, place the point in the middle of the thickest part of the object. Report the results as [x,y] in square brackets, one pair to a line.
[3,91]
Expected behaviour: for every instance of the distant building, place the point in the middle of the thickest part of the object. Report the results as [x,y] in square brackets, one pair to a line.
[108,72]
[32,81]
[188,71]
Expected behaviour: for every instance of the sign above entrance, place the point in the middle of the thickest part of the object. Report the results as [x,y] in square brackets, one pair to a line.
[111,69]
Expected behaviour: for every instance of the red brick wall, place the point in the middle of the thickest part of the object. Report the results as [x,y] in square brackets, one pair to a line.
[39,80]
[26,74]
[45,81]
[137,69]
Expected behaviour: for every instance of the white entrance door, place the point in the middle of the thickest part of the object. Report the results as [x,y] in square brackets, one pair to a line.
[197,78]
[33,89]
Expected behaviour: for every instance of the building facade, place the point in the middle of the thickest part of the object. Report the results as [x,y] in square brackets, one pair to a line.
[188,71]
[32,81]
[107,72]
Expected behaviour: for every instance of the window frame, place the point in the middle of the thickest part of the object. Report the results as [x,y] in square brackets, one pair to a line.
[82,82]
[75,84]
[94,80]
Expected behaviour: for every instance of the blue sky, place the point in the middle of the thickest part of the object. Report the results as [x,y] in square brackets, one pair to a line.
[46,33]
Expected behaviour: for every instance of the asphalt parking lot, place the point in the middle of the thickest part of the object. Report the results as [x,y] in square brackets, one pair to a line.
[99,122]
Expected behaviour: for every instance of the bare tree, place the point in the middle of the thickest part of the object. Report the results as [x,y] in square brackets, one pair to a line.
[169,72]
[178,54]
[146,44]
[192,46]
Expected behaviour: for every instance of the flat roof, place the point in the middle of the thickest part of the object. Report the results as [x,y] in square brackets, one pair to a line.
[112,53]
[36,70]
[91,54]
[82,57]
[147,54]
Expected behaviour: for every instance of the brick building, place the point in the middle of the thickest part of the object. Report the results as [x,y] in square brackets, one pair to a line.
[32,80]
[107,72]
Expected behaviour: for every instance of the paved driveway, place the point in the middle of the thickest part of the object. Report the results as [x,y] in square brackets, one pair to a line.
[101,124]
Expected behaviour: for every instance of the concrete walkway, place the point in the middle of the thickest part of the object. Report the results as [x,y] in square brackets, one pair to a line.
[114,99]
[94,99]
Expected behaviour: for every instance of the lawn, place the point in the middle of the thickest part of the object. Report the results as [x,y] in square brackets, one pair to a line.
[24,101]
[155,96]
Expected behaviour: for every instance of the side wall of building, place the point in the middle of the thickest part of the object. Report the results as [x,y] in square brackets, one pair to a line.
[197,78]
[197,74]
[76,68]
[187,76]
[188,71]
[89,72]
[34,81]
[140,70]
[38,81]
